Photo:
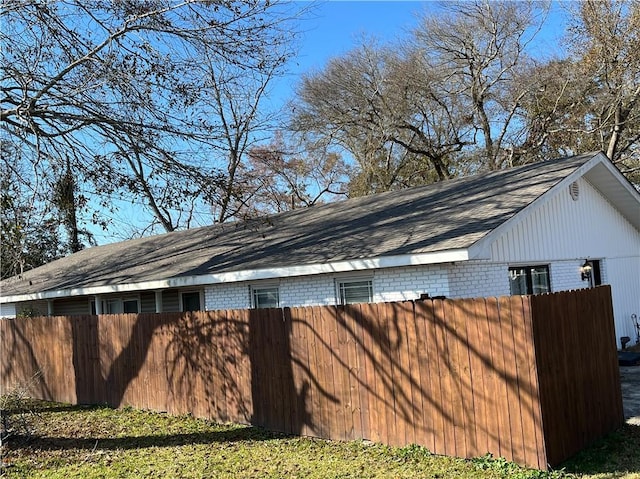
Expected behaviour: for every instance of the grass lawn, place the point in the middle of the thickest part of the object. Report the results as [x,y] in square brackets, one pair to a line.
[61,441]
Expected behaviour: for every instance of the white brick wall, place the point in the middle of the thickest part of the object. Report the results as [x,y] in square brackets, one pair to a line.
[478,279]
[393,284]
[227,296]
[459,280]
[401,284]
[565,275]
[307,291]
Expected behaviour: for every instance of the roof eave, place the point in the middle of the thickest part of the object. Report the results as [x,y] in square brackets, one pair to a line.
[360,264]
[480,249]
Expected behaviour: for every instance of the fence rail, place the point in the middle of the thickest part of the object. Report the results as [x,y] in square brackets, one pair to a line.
[531,379]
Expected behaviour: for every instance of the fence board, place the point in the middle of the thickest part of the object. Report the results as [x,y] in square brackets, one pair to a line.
[506,306]
[390,317]
[476,332]
[344,373]
[463,313]
[424,423]
[527,378]
[371,387]
[317,391]
[500,422]
[351,339]
[384,320]
[437,359]
[412,366]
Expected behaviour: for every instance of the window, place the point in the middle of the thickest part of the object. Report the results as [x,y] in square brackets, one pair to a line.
[355,291]
[117,305]
[267,297]
[130,306]
[529,280]
[113,306]
[191,301]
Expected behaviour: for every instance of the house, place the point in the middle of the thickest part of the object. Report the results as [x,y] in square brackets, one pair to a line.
[555,225]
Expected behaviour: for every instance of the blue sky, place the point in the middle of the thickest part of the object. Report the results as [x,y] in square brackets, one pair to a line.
[332,29]
[335,27]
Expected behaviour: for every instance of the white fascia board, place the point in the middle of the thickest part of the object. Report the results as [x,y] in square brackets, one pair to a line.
[480,249]
[624,181]
[253,275]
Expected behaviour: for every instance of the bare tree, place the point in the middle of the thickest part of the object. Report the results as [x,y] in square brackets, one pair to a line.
[287,175]
[235,96]
[606,49]
[29,230]
[377,104]
[590,99]
[478,48]
[447,102]
[116,89]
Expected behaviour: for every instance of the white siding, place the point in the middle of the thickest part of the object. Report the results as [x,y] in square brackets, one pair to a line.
[71,306]
[624,277]
[562,228]
[563,233]
[170,301]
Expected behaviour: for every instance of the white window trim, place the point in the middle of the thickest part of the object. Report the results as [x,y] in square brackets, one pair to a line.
[259,286]
[341,279]
[105,300]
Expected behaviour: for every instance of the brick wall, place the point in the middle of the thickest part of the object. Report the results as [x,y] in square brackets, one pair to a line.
[565,275]
[401,284]
[472,279]
[308,291]
[226,296]
[393,284]
[478,279]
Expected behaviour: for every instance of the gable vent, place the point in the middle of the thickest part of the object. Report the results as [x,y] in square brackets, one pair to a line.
[574,190]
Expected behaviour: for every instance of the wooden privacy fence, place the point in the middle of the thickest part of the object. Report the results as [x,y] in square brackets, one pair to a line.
[531,379]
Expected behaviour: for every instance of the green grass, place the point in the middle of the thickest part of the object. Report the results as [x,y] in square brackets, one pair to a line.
[60,441]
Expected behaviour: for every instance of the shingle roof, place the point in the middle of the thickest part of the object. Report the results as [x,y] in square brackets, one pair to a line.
[438,217]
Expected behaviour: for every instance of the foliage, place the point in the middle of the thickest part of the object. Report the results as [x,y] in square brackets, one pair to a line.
[16,415]
[80,441]
[29,231]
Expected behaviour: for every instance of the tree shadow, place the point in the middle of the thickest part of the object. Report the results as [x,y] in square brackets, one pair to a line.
[460,377]
[61,443]
[280,398]
[23,367]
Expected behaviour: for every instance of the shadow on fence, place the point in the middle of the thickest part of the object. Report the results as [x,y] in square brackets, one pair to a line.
[460,377]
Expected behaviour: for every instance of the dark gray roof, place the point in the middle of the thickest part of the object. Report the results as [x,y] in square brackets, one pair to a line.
[439,217]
